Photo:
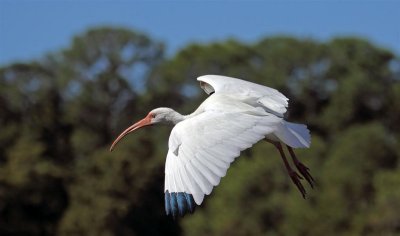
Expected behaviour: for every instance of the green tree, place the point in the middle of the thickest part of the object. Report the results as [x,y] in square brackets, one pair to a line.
[59,114]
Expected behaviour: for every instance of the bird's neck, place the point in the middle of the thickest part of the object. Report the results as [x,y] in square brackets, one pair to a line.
[175,117]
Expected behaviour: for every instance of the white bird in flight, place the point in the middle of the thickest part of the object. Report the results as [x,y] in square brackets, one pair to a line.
[202,145]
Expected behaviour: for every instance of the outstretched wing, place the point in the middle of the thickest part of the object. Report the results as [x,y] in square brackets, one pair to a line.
[271,99]
[201,150]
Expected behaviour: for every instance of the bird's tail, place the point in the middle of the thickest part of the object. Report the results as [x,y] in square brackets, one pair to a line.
[294,135]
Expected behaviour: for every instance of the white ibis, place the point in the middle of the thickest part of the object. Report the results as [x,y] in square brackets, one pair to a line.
[202,145]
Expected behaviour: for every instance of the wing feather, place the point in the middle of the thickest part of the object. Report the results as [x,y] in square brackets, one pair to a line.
[196,191]
[203,145]
[206,154]
[203,183]
[206,172]
[224,160]
[193,188]
[206,146]
[174,178]
[218,171]
[270,99]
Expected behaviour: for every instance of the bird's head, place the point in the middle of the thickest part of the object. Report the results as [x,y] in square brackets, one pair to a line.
[158,115]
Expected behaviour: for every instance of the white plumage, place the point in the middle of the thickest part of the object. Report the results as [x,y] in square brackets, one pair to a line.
[271,99]
[202,145]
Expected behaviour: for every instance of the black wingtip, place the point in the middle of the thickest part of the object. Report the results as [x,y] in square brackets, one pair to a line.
[179,203]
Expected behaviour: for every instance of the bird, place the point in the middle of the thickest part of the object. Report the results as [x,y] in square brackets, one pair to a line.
[202,145]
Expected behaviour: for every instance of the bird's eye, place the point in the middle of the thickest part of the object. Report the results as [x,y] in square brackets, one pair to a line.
[153,115]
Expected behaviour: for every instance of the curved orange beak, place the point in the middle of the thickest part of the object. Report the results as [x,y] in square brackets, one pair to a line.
[141,123]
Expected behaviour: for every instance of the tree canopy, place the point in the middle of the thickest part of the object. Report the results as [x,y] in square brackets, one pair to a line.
[59,114]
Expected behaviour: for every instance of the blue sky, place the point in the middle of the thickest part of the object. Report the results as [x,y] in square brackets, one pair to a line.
[29,29]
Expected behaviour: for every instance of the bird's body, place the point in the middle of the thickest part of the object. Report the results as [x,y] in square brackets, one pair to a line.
[203,144]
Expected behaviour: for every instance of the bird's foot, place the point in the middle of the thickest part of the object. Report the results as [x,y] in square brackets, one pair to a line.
[296,180]
[304,171]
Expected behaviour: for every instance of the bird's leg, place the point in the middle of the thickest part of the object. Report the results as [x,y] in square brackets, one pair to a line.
[302,168]
[292,173]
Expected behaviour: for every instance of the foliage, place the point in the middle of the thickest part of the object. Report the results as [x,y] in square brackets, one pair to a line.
[59,114]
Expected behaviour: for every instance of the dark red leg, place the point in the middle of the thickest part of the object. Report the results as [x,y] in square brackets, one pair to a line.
[292,173]
[302,168]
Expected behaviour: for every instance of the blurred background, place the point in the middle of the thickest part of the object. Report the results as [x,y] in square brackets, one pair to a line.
[73,74]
